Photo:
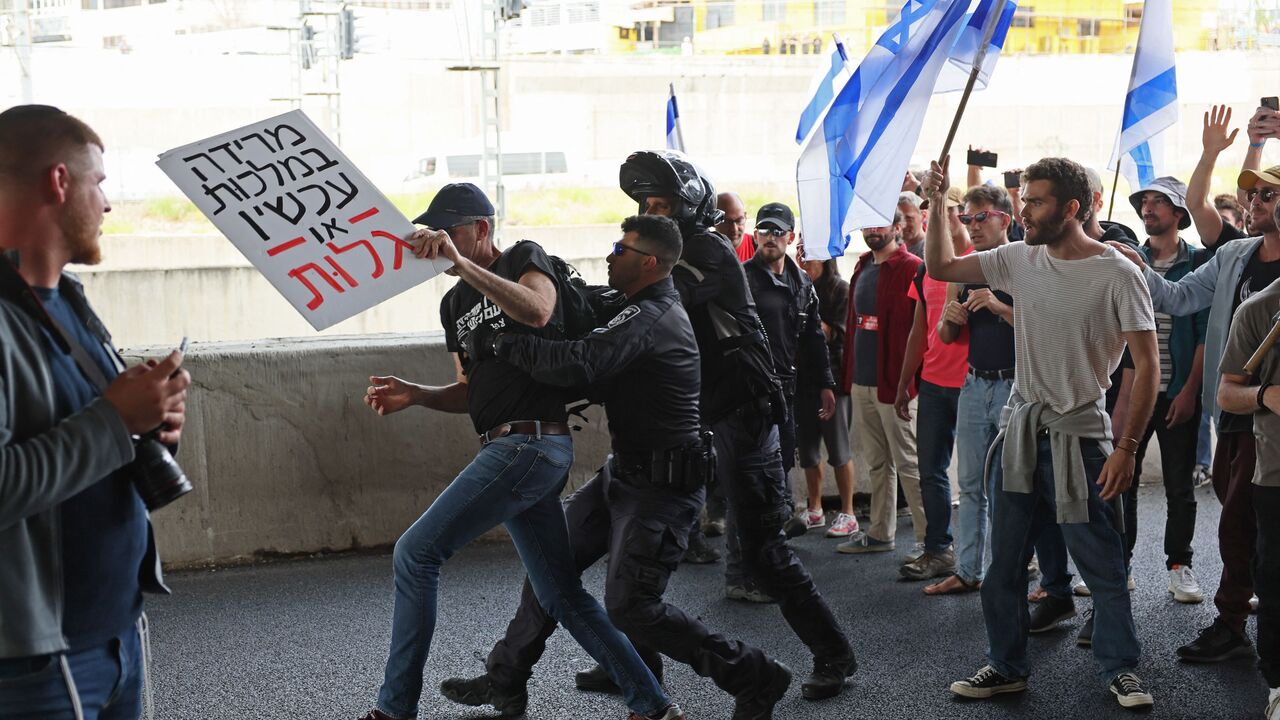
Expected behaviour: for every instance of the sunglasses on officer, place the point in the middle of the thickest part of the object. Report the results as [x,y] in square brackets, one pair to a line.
[763,231]
[620,248]
[980,216]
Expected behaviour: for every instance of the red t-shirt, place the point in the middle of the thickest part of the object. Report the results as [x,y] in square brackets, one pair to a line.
[747,249]
[944,365]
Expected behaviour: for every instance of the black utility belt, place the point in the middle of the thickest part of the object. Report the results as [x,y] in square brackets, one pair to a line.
[684,468]
[1005,374]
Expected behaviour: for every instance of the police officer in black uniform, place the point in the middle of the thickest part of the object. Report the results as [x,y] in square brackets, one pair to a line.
[788,307]
[741,399]
[643,366]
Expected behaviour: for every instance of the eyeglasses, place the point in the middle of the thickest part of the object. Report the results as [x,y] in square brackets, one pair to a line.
[1265,194]
[766,232]
[981,216]
[620,249]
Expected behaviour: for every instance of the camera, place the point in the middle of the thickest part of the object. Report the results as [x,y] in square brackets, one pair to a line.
[156,475]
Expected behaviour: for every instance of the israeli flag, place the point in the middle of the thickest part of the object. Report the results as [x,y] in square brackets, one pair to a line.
[1151,105]
[850,172]
[675,138]
[955,74]
[831,76]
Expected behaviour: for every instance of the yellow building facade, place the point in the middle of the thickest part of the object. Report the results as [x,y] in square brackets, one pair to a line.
[1039,27]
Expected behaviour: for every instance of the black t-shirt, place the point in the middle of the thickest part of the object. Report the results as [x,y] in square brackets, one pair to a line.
[1257,275]
[990,337]
[1228,233]
[1113,392]
[498,392]
[866,335]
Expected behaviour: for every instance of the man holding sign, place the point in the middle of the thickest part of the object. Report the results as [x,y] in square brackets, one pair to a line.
[78,549]
[523,463]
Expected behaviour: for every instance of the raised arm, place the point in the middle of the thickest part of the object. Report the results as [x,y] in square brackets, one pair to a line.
[939,253]
[1214,138]
[1264,124]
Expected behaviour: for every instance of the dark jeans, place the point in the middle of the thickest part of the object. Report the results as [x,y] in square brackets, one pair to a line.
[1233,464]
[643,530]
[1266,503]
[1018,519]
[1177,463]
[749,467]
[107,679]
[935,440]
[516,481]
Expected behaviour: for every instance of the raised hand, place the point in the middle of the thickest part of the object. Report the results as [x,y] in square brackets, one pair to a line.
[937,180]
[1214,137]
[1264,124]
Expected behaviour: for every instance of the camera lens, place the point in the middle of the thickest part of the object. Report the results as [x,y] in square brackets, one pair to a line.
[156,475]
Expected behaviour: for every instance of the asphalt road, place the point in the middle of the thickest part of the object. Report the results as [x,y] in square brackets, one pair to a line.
[308,638]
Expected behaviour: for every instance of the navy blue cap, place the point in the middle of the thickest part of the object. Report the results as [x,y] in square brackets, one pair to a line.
[454,205]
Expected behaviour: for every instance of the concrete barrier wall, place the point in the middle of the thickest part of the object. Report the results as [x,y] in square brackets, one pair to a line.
[286,458]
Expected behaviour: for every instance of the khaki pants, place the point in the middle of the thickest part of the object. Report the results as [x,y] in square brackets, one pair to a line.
[888,445]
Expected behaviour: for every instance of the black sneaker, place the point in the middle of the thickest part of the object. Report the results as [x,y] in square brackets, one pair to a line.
[1085,638]
[509,702]
[758,705]
[1050,611]
[1216,643]
[1127,688]
[597,680]
[987,682]
[795,526]
[699,552]
[827,678]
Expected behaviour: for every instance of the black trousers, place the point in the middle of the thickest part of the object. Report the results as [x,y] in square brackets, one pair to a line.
[1266,581]
[1177,463]
[749,468]
[644,531]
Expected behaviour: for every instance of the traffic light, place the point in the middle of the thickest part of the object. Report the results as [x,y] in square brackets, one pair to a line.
[348,42]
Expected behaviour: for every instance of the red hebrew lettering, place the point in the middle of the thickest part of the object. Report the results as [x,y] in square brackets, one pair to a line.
[364,215]
[317,299]
[287,245]
[338,269]
[377,261]
[401,246]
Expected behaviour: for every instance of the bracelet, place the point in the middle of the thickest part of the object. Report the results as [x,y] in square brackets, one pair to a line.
[1264,142]
[1262,390]
[1131,450]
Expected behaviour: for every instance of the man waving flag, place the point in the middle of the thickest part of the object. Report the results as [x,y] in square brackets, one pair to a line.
[1151,104]
[850,171]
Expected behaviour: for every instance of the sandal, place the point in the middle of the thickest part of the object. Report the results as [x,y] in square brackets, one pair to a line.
[952,585]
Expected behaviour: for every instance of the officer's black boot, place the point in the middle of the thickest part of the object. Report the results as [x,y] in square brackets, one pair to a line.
[700,552]
[597,680]
[758,703]
[827,678]
[508,701]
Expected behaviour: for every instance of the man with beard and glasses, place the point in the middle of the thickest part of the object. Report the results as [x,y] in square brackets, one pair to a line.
[788,307]
[880,318]
[78,545]
[1078,304]
[1238,269]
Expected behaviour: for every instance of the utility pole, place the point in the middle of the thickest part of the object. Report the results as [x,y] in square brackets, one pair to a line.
[19,35]
[488,65]
[316,43]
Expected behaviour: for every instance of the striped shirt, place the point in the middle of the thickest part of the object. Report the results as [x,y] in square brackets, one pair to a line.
[1164,327]
[1069,320]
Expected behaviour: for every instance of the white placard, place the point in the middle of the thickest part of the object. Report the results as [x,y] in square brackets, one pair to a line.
[295,206]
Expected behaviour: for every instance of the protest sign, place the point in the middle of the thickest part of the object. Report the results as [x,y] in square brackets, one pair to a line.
[329,241]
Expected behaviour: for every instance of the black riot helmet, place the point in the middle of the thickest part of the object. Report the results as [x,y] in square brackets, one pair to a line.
[671,174]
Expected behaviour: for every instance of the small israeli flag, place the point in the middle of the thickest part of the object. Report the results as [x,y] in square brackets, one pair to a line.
[1151,105]
[675,138]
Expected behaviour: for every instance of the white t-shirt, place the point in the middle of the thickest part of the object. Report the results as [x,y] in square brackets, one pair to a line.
[1068,320]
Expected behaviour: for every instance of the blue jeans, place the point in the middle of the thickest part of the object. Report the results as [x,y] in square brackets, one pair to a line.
[107,680]
[935,438]
[977,424]
[516,481]
[1204,448]
[1098,550]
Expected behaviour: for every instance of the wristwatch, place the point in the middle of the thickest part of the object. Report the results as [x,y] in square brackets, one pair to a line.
[1262,391]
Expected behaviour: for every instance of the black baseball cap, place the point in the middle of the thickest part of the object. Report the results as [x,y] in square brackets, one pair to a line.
[454,205]
[776,214]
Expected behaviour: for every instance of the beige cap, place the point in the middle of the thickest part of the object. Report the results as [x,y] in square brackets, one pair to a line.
[1249,178]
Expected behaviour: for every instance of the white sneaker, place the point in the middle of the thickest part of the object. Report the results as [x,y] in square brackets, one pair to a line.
[1253,604]
[1083,590]
[843,526]
[1183,585]
[1273,704]
[813,518]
